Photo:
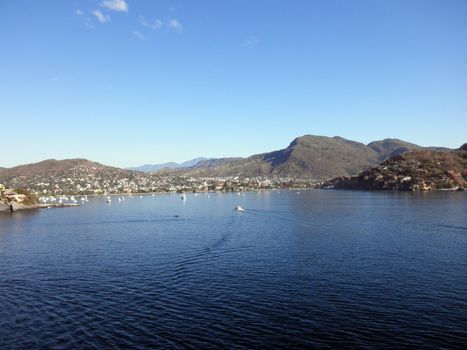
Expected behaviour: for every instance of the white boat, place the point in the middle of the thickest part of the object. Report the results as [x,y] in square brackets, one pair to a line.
[183,197]
[83,199]
[239,208]
[109,200]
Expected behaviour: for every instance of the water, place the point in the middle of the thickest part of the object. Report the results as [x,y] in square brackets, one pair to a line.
[326,269]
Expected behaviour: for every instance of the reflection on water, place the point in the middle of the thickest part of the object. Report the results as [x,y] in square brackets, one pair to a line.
[295,270]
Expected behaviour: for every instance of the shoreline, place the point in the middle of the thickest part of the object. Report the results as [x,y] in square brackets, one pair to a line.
[5,208]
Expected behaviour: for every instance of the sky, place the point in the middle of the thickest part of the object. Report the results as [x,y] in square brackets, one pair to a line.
[130,82]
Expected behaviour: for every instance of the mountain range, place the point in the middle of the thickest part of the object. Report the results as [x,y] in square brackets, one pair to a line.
[306,157]
[151,168]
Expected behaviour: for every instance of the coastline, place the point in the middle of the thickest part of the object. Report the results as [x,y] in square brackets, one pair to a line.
[5,208]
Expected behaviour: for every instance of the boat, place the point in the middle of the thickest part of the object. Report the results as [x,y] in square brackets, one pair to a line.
[239,208]
[183,197]
[109,200]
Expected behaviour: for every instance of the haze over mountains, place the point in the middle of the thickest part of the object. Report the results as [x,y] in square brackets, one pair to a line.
[150,168]
[306,157]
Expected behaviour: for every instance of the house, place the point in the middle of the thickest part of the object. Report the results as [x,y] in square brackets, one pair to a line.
[12,196]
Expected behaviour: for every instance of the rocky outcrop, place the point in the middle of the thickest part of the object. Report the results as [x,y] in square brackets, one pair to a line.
[18,200]
[412,171]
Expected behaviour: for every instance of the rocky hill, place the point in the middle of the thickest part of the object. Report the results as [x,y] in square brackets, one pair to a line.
[420,170]
[307,157]
[50,166]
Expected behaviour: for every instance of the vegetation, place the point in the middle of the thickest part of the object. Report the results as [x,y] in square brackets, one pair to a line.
[307,157]
[31,198]
[412,171]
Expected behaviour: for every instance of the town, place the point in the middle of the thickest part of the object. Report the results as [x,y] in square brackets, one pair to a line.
[137,182]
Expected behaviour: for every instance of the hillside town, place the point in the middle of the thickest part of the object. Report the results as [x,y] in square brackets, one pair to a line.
[137,182]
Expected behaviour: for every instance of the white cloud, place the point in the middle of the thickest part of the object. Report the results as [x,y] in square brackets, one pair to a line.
[175,25]
[115,5]
[154,25]
[101,17]
[78,12]
[138,35]
[251,41]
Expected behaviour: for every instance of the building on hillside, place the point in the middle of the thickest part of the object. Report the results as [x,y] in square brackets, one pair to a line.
[12,196]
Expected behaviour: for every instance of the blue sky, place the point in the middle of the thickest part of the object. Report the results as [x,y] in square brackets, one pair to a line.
[133,82]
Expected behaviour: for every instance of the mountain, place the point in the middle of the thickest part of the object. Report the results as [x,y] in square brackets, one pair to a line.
[72,176]
[309,156]
[50,166]
[388,148]
[149,168]
[419,170]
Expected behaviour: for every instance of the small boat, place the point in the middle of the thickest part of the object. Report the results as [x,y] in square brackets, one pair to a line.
[109,200]
[183,197]
[83,199]
[140,196]
[239,208]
